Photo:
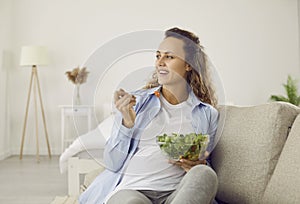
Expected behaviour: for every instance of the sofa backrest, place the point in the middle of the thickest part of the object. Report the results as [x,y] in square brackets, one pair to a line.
[251,140]
[284,186]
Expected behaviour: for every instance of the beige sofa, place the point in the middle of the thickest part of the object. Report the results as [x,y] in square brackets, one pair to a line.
[257,158]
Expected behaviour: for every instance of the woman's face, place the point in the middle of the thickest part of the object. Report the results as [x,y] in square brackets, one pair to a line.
[170,64]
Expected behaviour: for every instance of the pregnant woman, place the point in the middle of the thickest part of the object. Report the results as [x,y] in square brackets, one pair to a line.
[179,99]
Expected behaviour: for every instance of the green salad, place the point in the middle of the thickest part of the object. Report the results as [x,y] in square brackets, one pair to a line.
[190,146]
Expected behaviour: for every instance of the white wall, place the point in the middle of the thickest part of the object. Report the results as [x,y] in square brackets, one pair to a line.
[5,51]
[253,44]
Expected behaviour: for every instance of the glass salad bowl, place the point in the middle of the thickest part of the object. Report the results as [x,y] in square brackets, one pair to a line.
[190,146]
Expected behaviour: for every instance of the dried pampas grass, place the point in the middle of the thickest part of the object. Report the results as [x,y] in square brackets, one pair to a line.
[77,75]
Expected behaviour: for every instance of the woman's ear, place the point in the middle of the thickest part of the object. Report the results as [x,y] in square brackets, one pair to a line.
[188,67]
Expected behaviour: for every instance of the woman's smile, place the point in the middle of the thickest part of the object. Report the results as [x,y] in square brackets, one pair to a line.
[163,71]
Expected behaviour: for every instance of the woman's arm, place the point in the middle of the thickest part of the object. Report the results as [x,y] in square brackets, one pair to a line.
[118,145]
[212,130]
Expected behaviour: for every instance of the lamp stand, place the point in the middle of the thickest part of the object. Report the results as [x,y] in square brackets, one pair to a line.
[34,82]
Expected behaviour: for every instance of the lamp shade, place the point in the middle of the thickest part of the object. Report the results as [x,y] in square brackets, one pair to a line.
[34,55]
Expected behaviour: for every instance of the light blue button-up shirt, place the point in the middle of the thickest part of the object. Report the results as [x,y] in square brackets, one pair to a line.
[123,141]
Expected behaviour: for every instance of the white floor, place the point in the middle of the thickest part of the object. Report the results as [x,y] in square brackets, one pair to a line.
[28,182]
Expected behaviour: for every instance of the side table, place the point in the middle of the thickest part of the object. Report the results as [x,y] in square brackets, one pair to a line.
[74,111]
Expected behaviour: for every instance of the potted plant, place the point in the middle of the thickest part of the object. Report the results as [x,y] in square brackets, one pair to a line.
[291,90]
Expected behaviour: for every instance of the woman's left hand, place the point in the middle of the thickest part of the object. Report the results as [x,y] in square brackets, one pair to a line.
[187,164]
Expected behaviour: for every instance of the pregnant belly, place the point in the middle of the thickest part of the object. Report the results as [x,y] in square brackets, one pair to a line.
[150,160]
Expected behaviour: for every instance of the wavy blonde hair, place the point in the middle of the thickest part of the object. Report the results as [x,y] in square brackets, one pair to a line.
[199,77]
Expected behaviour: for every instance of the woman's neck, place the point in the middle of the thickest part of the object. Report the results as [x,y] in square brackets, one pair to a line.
[175,95]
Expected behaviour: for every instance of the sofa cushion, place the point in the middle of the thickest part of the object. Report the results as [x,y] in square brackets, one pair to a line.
[251,140]
[284,185]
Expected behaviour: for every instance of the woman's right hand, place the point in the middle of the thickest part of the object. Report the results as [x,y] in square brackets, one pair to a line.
[124,102]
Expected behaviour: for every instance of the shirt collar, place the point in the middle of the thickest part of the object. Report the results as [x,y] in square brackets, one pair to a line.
[153,90]
[194,99]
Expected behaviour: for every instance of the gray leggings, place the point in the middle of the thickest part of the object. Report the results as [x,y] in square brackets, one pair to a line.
[198,186]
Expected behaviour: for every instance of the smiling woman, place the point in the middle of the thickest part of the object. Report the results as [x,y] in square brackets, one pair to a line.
[171,68]
[183,48]
[179,99]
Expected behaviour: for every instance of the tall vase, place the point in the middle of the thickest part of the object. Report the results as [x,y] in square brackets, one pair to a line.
[77,100]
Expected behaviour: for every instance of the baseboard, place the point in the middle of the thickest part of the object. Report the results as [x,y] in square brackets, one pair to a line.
[4,155]
[54,151]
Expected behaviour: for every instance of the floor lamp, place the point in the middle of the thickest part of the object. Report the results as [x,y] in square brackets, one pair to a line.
[33,56]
